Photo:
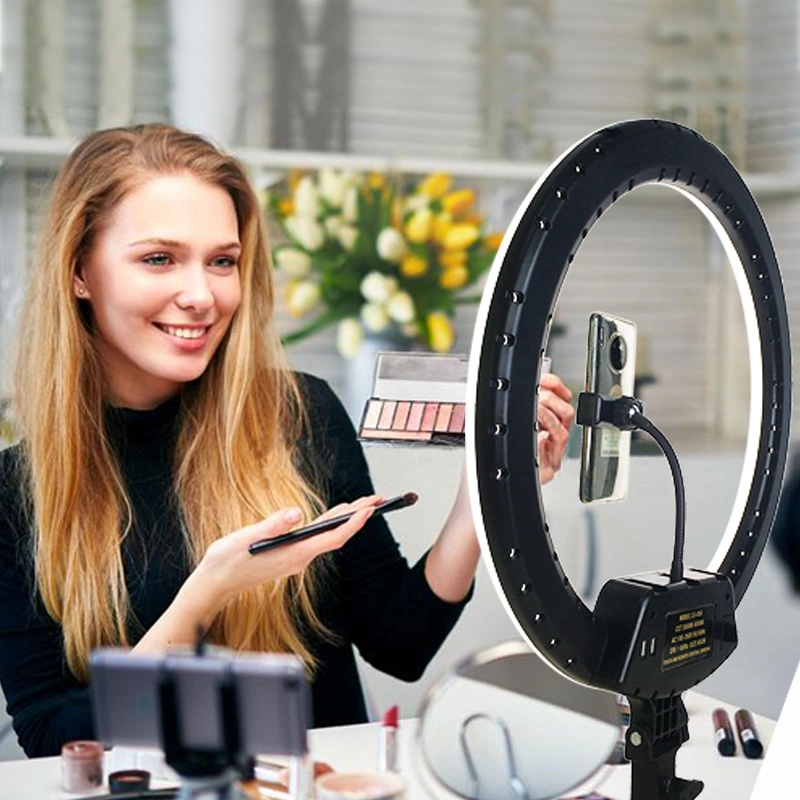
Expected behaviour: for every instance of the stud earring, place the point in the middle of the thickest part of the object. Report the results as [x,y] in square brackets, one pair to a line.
[81,291]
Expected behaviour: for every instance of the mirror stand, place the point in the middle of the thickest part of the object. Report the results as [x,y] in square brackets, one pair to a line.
[658,728]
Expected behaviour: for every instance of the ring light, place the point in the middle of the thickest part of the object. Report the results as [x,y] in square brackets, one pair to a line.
[511,332]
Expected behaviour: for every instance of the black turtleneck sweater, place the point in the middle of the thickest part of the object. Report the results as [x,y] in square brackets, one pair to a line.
[370,598]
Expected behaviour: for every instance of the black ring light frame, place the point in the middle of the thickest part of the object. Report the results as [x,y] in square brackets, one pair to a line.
[510,336]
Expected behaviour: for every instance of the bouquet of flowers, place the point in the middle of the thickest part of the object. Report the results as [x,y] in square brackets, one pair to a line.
[368,256]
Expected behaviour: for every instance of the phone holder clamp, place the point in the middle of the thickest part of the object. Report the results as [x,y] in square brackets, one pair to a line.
[594,409]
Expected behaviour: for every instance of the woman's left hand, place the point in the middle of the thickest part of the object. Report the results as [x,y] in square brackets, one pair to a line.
[454,556]
[555,418]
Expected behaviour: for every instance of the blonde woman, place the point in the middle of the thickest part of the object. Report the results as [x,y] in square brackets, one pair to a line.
[162,432]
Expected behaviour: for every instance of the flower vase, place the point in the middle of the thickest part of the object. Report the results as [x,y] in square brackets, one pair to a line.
[359,371]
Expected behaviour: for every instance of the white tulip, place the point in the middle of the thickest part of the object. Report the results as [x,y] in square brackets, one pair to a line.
[349,336]
[390,245]
[306,201]
[293,262]
[400,307]
[391,284]
[374,317]
[347,236]
[378,288]
[303,296]
[308,233]
[415,202]
[350,204]
[332,225]
[332,186]
[351,178]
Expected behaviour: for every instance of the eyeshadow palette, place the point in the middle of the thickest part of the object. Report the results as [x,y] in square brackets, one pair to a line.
[417,398]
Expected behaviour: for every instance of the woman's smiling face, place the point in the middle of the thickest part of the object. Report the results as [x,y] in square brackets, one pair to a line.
[162,279]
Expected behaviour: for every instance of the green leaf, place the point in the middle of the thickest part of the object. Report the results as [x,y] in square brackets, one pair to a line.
[467,299]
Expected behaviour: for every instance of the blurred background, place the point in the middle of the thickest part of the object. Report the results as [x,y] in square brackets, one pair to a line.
[488,92]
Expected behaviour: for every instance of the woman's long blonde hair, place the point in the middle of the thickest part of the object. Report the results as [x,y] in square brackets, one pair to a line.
[240,422]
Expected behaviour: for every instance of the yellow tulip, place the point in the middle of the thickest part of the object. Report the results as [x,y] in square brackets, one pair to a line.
[461,236]
[293,178]
[492,241]
[441,224]
[473,218]
[454,278]
[440,332]
[434,186]
[459,201]
[452,258]
[418,227]
[375,180]
[412,265]
[397,212]
[286,207]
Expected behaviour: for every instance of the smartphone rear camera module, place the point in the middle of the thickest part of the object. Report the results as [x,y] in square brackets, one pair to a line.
[617,353]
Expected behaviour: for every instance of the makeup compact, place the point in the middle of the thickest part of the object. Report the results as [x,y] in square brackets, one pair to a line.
[417,398]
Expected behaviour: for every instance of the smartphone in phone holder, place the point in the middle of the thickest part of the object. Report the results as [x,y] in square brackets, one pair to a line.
[611,373]
[209,713]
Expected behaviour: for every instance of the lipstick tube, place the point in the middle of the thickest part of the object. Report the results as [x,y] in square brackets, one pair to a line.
[723,732]
[387,742]
[748,734]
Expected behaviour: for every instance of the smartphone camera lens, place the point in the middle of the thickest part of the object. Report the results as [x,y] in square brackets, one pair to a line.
[617,352]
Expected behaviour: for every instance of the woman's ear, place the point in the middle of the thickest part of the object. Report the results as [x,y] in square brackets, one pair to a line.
[79,287]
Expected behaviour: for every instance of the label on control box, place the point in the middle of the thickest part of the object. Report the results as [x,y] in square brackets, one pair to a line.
[688,636]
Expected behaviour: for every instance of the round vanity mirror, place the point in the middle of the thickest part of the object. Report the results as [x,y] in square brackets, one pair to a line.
[504,724]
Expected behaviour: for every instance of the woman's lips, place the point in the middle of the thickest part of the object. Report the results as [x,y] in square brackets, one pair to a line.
[189,337]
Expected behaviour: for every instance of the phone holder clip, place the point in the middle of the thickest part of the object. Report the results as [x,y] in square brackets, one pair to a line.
[619,412]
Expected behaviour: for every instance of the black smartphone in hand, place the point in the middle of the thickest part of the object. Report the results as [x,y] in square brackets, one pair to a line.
[395,503]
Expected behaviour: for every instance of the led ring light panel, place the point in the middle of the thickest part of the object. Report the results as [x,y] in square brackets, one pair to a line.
[510,337]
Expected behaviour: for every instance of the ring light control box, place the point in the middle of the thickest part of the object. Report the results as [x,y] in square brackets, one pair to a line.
[663,634]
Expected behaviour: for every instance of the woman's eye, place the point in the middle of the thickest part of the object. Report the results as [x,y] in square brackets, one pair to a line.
[224,261]
[157,260]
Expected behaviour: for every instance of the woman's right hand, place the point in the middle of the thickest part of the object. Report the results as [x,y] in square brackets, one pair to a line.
[228,568]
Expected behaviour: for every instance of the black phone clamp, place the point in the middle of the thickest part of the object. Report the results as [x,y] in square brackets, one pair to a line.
[594,409]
